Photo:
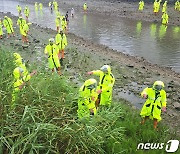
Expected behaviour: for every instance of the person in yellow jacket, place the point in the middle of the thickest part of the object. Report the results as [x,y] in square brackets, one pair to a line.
[158,5]
[87,98]
[8,24]
[177,5]
[21,22]
[1,29]
[164,9]
[106,83]
[141,5]
[25,32]
[64,24]
[155,5]
[19,82]
[52,51]
[26,12]
[18,60]
[155,102]
[165,18]
[57,22]
[61,42]
[36,6]
[85,7]
[40,6]
[19,9]
[55,5]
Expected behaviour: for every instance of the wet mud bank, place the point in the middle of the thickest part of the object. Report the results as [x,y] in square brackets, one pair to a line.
[132,73]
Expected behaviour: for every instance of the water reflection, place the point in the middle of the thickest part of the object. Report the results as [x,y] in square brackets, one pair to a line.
[153,28]
[176,31]
[138,28]
[153,41]
[84,21]
[162,31]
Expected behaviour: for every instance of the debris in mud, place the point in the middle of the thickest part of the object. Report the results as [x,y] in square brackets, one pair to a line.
[25,46]
[36,41]
[176,105]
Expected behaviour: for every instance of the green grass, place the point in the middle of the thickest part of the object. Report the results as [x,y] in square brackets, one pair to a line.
[44,119]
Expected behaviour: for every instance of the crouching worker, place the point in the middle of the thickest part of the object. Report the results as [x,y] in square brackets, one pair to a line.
[155,103]
[106,83]
[87,98]
[19,83]
[52,51]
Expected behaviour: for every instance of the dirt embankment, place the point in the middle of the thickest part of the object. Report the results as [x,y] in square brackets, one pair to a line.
[131,73]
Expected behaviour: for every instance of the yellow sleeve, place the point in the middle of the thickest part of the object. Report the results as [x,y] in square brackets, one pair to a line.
[46,50]
[57,39]
[163,100]
[97,72]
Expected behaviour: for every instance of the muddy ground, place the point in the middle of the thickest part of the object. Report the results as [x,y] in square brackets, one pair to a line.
[132,73]
[119,8]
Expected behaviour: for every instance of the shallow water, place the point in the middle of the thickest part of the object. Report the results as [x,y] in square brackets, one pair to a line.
[155,42]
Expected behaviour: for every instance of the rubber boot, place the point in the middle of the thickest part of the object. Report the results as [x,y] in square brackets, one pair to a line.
[61,61]
[155,123]
[144,120]
[59,70]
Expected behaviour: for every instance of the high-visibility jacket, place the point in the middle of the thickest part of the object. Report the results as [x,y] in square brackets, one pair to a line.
[8,24]
[156,6]
[177,4]
[57,21]
[16,90]
[154,103]
[19,9]
[21,23]
[61,41]
[1,30]
[106,82]
[52,51]
[25,75]
[85,102]
[141,5]
[25,29]
[164,9]
[26,11]
[63,24]
[165,18]
[55,5]
[85,6]
[17,83]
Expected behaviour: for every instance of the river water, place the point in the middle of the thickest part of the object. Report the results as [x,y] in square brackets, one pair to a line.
[156,43]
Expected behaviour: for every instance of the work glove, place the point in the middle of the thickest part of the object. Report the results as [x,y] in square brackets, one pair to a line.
[91,111]
[164,109]
[93,98]
[99,91]
[89,73]
[33,73]
[145,96]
